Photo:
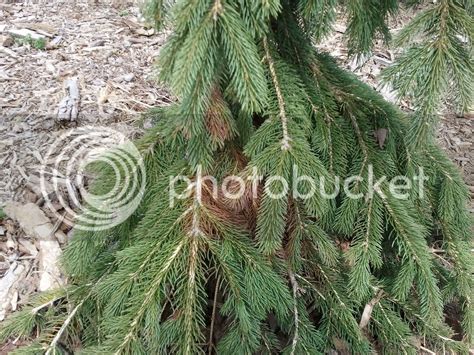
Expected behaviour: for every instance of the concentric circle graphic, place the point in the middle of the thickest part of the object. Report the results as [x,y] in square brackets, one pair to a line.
[112,162]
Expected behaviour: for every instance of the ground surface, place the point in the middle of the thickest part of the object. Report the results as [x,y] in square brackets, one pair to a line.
[104,47]
[111,53]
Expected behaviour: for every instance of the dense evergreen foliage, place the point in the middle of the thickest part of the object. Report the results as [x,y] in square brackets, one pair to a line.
[290,275]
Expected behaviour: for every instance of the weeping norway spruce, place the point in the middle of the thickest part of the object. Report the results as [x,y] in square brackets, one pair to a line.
[264,269]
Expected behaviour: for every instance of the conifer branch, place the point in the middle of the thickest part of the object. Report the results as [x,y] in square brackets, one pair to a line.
[45,305]
[365,249]
[438,63]
[308,283]
[217,9]
[285,143]
[369,307]
[70,317]
[157,247]
[191,296]
[229,276]
[427,350]
[330,148]
[155,286]
[213,315]
[57,337]
[313,70]
[392,326]
[366,241]
[416,249]
[330,284]
[295,288]
[445,172]
[327,118]
[314,108]
[362,145]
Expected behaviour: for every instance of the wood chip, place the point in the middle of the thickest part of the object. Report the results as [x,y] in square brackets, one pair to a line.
[42,28]
[8,52]
[24,32]
[69,106]
[8,288]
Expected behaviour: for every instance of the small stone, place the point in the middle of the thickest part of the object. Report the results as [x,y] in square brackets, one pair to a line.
[6,40]
[98,43]
[55,42]
[27,247]
[128,77]
[50,67]
[61,237]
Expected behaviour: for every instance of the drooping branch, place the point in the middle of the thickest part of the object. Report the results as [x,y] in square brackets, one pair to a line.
[285,143]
